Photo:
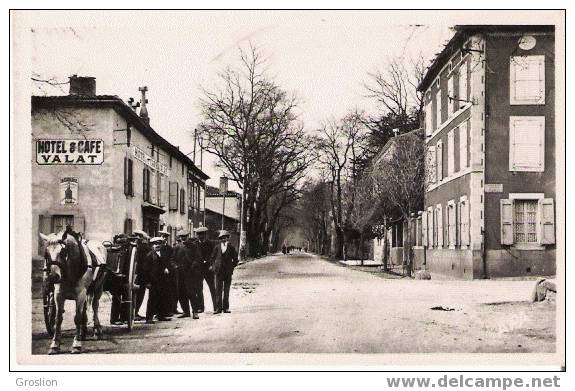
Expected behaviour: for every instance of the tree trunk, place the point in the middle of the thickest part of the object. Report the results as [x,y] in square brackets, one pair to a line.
[339,244]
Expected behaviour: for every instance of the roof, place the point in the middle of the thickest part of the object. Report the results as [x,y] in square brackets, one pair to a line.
[212,191]
[392,141]
[127,112]
[462,32]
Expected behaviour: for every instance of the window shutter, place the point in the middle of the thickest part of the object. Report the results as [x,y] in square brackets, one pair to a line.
[462,84]
[450,96]
[439,161]
[527,80]
[465,221]
[450,153]
[428,119]
[527,143]
[506,221]
[431,169]
[463,146]
[126,177]
[79,225]
[458,223]
[424,228]
[438,109]
[173,202]
[128,226]
[130,177]
[145,185]
[154,187]
[182,201]
[439,226]
[162,185]
[547,221]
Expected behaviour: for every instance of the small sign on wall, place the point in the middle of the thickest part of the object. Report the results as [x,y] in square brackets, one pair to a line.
[493,187]
[69,152]
[69,191]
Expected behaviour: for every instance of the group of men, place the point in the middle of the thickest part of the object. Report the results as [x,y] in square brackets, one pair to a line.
[176,274]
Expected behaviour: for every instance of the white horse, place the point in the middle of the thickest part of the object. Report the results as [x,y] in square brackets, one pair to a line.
[75,276]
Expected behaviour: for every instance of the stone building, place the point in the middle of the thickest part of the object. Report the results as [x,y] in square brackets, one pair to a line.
[100,167]
[490,137]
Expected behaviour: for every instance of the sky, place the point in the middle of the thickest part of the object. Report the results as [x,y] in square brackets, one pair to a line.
[323,57]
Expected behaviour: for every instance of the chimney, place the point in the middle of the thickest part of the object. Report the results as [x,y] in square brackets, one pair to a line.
[143,110]
[82,85]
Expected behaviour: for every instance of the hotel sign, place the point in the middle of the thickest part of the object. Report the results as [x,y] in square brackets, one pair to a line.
[69,152]
[150,161]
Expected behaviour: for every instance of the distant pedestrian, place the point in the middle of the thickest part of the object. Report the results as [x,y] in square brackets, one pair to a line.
[224,260]
[205,249]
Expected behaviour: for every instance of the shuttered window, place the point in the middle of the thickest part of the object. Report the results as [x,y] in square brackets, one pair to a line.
[450,152]
[161,190]
[525,221]
[146,185]
[463,218]
[128,177]
[430,226]
[173,202]
[439,161]
[462,95]
[463,145]
[182,201]
[527,80]
[128,226]
[450,96]
[439,211]
[438,121]
[431,165]
[429,118]
[527,143]
[451,224]
[547,221]
[424,229]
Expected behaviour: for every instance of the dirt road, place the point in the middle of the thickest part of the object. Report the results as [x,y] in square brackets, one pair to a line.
[302,303]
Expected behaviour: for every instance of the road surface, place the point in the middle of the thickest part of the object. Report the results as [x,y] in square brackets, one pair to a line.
[301,303]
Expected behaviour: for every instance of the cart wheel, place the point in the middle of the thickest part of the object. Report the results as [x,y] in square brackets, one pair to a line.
[130,296]
[49,308]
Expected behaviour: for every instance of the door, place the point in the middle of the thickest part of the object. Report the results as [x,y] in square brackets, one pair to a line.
[60,222]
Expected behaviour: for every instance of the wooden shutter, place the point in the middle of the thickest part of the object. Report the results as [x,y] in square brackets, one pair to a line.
[462,84]
[145,188]
[431,164]
[439,161]
[173,201]
[438,109]
[162,190]
[439,226]
[428,119]
[464,223]
[463,146]
[424,228]
[154,187]
[126,177]
[527,80]
[547,221]
[527,143]
[182,201]
[450,152]
[458,223]
[506,207]
[450,96]
[131,177]
[128,226]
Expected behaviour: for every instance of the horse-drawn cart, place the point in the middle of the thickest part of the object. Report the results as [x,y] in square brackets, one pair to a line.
[119,271]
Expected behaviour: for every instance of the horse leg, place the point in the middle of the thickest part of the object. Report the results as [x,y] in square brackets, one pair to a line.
[59,300]
[95,305]
[78,318]
[84,329]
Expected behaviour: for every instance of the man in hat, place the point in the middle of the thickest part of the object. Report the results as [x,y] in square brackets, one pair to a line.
[189,269]
[224,260]
[142,249]
[172,296]
[156,270]
[205,249]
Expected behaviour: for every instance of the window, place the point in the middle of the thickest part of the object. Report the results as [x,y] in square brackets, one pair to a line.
[527,143]
[462,96]
[451,224]
[439,210]
[170,161]
[463,219]
[60,222]
[438,121]
[183,169]
[173,202]
[450,153]
[182,201]
[153,183]
[128,177]
[429,118]
[128,226]
[463,145]
[439,161]
[430,226]
[431,165]
[527,80]
[527,219]
[161,190]
[146,185]
[450,96]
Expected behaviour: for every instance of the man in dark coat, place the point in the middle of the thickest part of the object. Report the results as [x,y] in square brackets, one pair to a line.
[224,260]
[173,276]
[142,250]
[205,248]
[157,272]
[190,274]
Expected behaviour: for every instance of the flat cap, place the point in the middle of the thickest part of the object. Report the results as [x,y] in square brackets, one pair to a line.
[183,233]
[141,233]
[223,233]
[157,239]
[164,232]
[201,229]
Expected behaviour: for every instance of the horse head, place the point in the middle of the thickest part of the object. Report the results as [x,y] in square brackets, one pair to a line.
[63,258]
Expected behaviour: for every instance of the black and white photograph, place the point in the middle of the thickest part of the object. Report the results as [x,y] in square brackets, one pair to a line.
[368,187]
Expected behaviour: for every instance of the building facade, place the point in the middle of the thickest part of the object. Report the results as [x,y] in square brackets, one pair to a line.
[99,167]
[490,139]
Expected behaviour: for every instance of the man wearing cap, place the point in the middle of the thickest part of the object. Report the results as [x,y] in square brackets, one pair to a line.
[142,249]
[156,270]
[187,259]
[173,277]
[205,249]
[224,260]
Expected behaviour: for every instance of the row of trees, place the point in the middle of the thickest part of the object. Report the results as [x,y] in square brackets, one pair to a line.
[252,126]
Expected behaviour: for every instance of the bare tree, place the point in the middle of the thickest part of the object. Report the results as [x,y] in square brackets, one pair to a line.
[250,124]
